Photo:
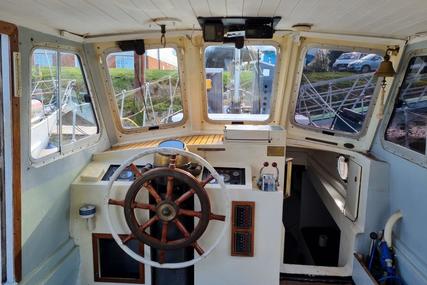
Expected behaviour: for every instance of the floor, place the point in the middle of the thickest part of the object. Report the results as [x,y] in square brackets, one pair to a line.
[292,282]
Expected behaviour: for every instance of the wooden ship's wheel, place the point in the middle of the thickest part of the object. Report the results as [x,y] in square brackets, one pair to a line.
[166,209]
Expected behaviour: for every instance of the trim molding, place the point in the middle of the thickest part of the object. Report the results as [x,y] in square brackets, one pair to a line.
[414,263]
[55,264]
[11,30]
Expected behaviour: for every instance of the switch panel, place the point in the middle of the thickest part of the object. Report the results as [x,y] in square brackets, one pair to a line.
[242,243]
[243,216]
[242,230]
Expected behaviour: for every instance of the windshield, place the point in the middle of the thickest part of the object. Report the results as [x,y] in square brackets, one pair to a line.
[239,82]
[147,87]
[332,98]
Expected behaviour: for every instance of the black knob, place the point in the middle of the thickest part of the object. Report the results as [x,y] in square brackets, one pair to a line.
[373,235]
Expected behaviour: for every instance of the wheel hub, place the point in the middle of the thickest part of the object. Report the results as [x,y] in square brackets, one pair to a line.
[167,211]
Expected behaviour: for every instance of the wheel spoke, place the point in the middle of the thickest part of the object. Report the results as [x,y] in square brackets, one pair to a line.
[164,232]
[148,223]
[135,170]
[163,239]
[116,202]
[143,206]
[198,248]
[172,161]
[169,187]
[185,196]
[162,256]
[190,213]
[182,228]
[128,238]
[152,192]
[216,217]
[207,180]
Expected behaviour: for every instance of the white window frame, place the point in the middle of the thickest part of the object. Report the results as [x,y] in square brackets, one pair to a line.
[296,91]
[274,89]
[114,106]
[64,150]
[399,150]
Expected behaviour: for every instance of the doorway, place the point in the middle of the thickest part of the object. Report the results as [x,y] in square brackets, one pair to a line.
[311,235]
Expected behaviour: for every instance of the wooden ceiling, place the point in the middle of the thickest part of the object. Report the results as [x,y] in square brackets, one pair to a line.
[390,18]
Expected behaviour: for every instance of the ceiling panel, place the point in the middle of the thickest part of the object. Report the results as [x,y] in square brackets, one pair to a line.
[217,8]
[250,7]
[234,8]
[268,8]
[200,7]
[365,17]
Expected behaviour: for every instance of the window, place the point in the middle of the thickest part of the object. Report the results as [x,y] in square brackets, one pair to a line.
[239,82]
[408,124]
[336,89]
[147,88]
[61,106]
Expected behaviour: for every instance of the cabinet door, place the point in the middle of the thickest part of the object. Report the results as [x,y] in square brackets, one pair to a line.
[351,207]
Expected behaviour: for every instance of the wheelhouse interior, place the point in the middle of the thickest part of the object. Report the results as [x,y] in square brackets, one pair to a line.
[213,142]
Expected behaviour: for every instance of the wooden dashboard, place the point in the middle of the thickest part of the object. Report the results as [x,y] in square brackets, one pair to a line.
[188,140]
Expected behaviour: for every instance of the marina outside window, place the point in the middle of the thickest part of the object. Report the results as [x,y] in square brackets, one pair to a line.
[408,124]
[336,89]
[240,82]
[147,88]
[61,107]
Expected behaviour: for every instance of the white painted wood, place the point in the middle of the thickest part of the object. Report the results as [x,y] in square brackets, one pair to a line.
[8,165]
[250,7]
[200,8]
[351,206]
[217,8]
[235,8]
[360,276]
[268,8]
[263,268]
[393,18]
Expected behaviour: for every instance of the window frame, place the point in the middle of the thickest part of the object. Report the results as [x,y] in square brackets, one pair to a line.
[399,150]
[297,84]
[274,90]
[111,96]
[83,143]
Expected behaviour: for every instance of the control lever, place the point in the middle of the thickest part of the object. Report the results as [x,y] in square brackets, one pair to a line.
[274,164]
[267,181]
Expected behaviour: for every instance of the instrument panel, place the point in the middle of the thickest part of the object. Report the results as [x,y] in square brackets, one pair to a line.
[231,175]
[127,174]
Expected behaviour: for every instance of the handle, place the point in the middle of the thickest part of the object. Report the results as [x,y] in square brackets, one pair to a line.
[288,177]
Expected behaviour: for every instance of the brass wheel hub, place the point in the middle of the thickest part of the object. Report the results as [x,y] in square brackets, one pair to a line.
[167,211]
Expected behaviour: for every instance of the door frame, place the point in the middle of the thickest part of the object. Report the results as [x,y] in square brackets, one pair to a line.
[12,151]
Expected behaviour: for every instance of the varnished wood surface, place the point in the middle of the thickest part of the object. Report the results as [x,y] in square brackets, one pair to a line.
[188,140]
[12,31]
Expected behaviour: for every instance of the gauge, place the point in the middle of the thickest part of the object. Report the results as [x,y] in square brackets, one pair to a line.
[126,174]
[226,177]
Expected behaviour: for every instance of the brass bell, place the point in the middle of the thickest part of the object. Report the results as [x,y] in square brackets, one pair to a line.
[386,68]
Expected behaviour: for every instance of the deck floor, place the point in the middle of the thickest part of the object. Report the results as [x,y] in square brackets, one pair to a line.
[292,282]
